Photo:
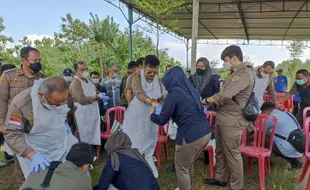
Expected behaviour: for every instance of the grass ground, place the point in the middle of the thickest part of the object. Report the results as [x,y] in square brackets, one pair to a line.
[282,177]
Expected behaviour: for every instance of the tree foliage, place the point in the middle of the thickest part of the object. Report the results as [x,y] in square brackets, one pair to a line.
[98,42]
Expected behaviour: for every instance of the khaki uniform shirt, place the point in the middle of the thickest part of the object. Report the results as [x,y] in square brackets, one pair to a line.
[13,82]
[138,90]
[77,93]
[21,111]
[233,97]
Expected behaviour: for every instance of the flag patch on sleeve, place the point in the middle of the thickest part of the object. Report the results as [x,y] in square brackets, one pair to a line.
[15,121]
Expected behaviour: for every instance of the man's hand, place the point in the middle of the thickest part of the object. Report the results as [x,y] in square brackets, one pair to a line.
[38,161]
[152,110]
[155,103]
[1,128]
[278,103]
[206,102]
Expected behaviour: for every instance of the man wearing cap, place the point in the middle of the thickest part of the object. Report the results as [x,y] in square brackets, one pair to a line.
[13,81]
[68,75]
[280,82]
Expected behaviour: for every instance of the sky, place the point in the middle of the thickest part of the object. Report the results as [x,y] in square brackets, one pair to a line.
[39,18]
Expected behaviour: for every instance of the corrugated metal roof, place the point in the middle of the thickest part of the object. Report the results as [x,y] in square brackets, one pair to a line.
[262,19]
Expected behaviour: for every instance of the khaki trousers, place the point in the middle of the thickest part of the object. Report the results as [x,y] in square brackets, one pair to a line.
[185,157]
[229,165]
[19,176]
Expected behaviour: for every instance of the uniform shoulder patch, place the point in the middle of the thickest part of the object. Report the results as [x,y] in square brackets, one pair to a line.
[17,115]
[2,79]
[235,78]
[16,81]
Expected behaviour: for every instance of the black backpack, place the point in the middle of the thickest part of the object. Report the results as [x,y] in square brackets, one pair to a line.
[251,109]
[297,137]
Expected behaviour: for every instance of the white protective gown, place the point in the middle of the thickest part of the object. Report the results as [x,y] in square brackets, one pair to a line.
[88,116]
[48,135]
[138,125]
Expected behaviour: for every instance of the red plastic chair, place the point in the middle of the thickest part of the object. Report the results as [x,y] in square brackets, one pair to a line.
[162,139]
[258,149]
[266,98]
[211,118]
[307,164]
[304,114]
[288,105]
[118,116]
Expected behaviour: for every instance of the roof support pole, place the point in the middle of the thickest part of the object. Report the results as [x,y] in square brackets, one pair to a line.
[194,35]
[187,52]
[130,22]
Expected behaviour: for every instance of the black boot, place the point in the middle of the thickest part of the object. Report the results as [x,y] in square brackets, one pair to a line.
[215,182]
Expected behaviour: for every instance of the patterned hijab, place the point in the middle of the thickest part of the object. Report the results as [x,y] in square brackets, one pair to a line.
[201,81]
[121,143]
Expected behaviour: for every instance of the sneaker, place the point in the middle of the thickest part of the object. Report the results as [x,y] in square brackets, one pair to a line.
[215,182]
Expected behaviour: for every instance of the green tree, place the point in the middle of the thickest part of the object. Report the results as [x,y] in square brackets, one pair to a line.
[296,49]
[160,10]
[6,54]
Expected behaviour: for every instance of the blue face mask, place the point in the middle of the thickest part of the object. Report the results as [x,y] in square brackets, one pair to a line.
[300,82]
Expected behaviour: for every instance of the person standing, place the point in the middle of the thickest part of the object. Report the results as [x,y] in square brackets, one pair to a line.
[280,82]
[87,114]
[112,84]
[7,158]
[301,85]
[128,91]
[12,82]
[263,81]
[94,76]
[188,73]
[36,129]
[68,75]
[230,121]
[131,68]
[137,124]
[194,132]
[204,81]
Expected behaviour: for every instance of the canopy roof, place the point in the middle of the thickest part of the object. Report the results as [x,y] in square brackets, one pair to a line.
[244,19]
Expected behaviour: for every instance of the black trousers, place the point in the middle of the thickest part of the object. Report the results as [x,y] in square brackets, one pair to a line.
[296,108]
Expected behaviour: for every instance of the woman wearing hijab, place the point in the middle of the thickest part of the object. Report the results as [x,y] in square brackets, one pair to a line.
[126,167]
[205,80]
[182,104]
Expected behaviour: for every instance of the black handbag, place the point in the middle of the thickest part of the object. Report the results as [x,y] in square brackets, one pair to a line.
[251,109]
[297,137]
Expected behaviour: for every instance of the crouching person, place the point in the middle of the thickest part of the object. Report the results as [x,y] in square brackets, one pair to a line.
[126,167]
[69,175]
[286,124]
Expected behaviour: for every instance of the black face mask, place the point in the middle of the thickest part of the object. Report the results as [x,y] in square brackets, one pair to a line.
[200,71]
[36,67]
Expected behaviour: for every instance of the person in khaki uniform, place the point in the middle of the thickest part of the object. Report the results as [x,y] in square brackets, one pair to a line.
[230,121]
[16,80]
[128,89]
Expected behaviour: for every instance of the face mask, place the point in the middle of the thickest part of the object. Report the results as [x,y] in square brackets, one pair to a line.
[300,82]
[200,71]
[68,78]
[95,81]
[85,74]
[115,75]
[264,74]
[227,66]
[35,67]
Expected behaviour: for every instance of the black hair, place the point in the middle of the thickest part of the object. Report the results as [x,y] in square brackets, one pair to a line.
[81,154]
[303,72]
[24,52]
[269,63]
[140,61]
[188,71]
[76,64]
[231,51]
[131,64]
[6,67]
[267,105]
[94,73]
[168,66]
[152,61]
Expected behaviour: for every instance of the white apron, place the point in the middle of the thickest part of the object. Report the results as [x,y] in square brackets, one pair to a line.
[48,135]
[88,116]
[138,125]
